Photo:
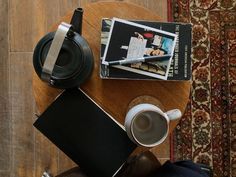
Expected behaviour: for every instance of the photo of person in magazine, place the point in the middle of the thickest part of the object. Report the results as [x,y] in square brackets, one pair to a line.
[128,40]
[156,45]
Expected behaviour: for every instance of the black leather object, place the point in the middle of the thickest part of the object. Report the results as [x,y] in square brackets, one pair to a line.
[74,172]
[140,165]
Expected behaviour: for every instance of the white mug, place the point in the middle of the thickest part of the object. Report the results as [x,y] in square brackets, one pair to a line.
[147,125]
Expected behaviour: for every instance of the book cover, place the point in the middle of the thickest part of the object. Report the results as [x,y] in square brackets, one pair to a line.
[180,67]
[128,41]
[86,133]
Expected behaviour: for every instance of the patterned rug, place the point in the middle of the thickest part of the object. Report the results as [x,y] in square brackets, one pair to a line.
[207,131]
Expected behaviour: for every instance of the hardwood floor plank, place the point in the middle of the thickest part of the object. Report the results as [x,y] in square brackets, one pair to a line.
[30,20]
[4,174]
[47,13]
[5,138]
[65,163]
[21,19]
[159,7]
[66,6]
[82,3]
[5,129]
[46,155]
[22,110]
[138,2]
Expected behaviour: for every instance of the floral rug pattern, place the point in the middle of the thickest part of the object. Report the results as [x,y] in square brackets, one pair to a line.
[207,131]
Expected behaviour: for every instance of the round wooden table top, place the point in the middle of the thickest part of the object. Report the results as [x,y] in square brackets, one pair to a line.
[115,96]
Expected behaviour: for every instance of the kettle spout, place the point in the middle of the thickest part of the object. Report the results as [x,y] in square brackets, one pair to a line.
[77,19]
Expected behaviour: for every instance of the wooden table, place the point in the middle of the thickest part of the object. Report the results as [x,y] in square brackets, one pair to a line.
[115,95]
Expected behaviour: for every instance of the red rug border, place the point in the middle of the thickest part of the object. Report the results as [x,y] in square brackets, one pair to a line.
[169,11]
[170,19]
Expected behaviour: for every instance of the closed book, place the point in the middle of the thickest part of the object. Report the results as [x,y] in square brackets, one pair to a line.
[86,133]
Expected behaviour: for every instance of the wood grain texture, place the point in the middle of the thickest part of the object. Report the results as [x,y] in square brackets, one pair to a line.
[22,112]
[30,20]
[21,18]
[159,7]
[4,173]
[47,12]
[46,155]
[64,163]
[5,123]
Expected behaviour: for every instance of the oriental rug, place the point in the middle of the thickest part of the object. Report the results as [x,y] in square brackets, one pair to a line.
[207,132]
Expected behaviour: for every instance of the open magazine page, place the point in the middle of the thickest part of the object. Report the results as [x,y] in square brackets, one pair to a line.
[128,40]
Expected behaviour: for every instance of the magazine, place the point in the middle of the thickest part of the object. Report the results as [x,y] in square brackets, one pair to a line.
[180,68]
[130,41]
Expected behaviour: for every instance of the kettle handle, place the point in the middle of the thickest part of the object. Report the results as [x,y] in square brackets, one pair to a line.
[54,51]
[76,20]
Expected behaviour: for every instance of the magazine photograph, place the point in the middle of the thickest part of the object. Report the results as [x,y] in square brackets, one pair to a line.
[128,41]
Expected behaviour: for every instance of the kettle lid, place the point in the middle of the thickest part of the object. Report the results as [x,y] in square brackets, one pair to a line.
[69,61]
[71,67]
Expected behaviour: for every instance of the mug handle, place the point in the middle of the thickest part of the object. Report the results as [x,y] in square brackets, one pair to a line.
[174,114]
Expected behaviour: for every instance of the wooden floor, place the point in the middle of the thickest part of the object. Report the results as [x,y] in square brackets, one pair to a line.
[24,152]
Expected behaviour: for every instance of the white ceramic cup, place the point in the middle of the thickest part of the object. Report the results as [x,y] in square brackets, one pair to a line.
[147,125]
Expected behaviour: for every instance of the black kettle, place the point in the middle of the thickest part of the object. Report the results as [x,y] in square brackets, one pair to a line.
[63,58]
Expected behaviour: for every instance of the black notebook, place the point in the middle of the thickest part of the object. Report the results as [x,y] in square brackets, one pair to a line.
[87,134]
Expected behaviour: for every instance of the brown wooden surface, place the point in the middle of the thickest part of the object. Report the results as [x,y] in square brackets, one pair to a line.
[22,134]
[5,122]
[23,24]
[116,95]
[35,18]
